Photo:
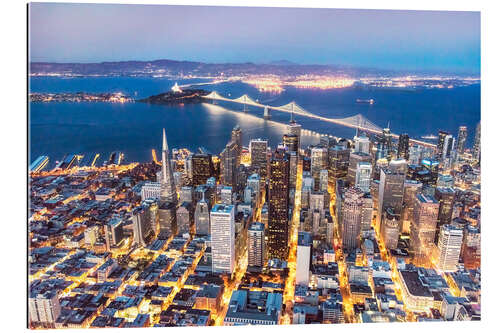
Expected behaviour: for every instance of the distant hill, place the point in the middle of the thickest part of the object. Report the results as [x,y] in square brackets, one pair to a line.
[176,68]
[183,68]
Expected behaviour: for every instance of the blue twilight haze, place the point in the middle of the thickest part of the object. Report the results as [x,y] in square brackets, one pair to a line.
[406,40]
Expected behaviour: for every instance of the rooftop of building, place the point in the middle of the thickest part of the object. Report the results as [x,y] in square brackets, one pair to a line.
[221,208]
[414,284]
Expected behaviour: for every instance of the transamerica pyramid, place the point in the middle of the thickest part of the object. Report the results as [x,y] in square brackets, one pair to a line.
[168,192]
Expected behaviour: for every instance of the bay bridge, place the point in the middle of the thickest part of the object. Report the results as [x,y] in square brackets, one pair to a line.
[357,121]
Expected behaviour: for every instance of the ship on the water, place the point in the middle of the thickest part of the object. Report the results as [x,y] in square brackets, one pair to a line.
[370,101]
[429,137]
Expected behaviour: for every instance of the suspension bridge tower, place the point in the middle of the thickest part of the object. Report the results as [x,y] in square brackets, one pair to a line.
[267,115]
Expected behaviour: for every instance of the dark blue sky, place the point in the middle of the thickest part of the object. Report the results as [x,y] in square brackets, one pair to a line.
[413,40]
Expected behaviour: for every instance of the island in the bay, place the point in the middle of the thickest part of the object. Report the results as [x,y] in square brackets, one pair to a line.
[177,96]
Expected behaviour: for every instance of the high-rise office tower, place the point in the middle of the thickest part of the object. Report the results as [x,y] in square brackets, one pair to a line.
[411,189]
[351,218]
[186,194]
[384,145]
[203,168]
[256,246]
[291,142]
[441,143]
[229,163]
[145,222]
[477,142]
[278,206]
[202,218]
[253,181]
[222,232]
[363,176]
[184,217]
[404,146]
[319,161]
[423,227]
[327,141]
[307,188]
[446,198]
[168,192]
[379,165]
[354,159]
[338,162]
[415,155]
[391,190]
[449,246]
[390,229]
[471,247]
[362,144]
[323,180]
[151,190]
[304,243]
[317,201]
[226,195]
[188,166]
[113,232]
[398,165]
[293,157]
[462,139]
[237,138]
[367,212]
[295,129]
[448,147]
[166,218]
[258,157]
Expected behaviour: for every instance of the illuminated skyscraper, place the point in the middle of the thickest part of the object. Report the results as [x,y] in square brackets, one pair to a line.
[390,229]
[293,157]
[304,244]
[184,217]
[278,207]
[352,207]
[462,139]
[362,144]
[202,167]
[411,189]
[291,142]
[477,142]
[403,147]
[363,176]
[367,212]
[423,227]
[166,218]
[256,245]
[168,192]
[258,156]
[323,180]
[202,218]
[449,246]
[354,159]
[236,137]
[391,190]
[145,222]
[338,162]
[229,163]
[113,232]
[441,141]
[446,198]
[471,247]
[295,129]
[222,232]
[319,161]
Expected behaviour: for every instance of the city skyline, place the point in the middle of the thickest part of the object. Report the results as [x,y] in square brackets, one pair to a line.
[402,40]
[174,193]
